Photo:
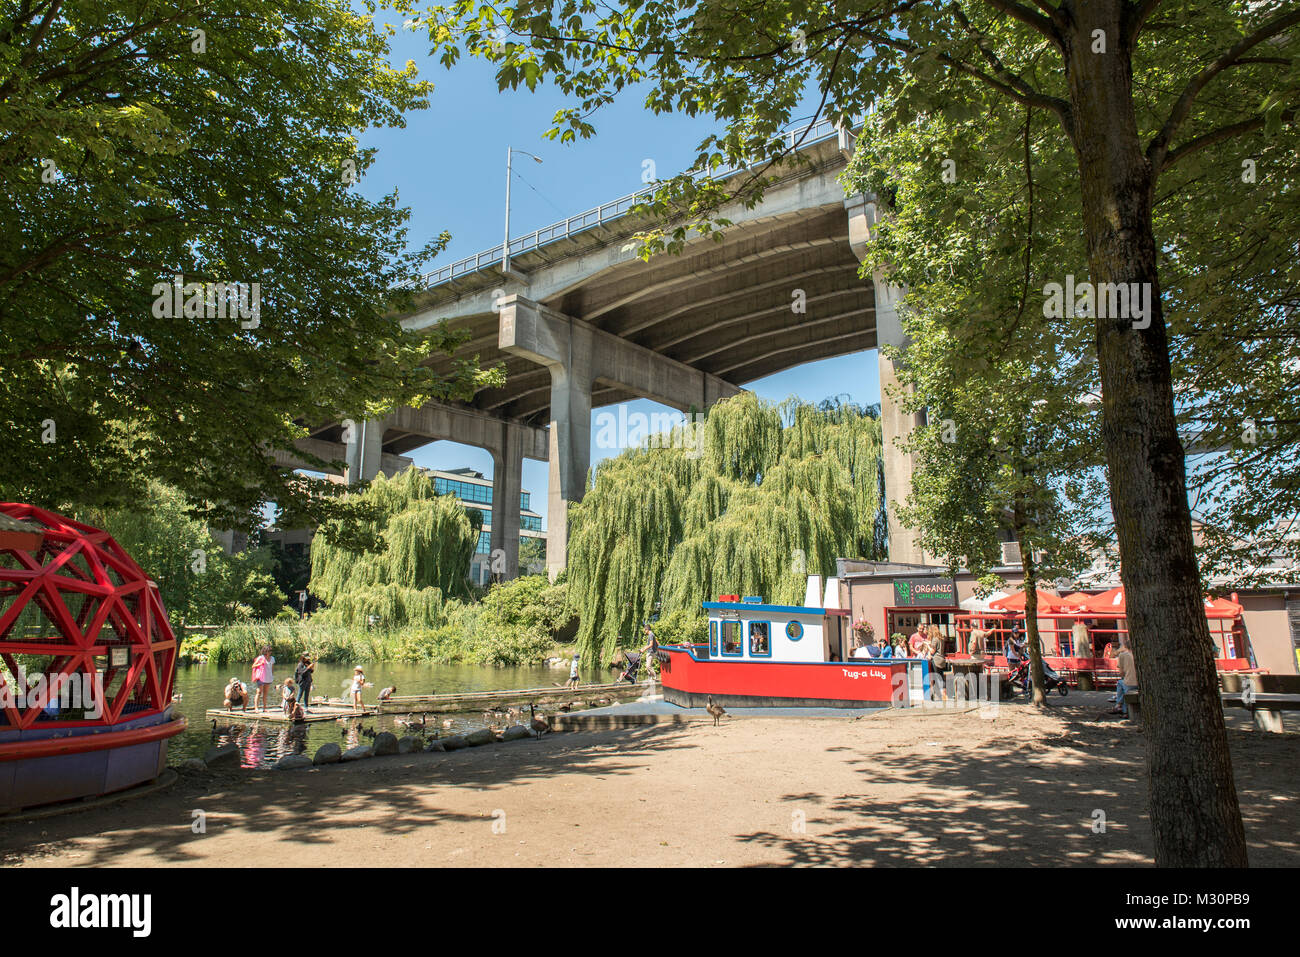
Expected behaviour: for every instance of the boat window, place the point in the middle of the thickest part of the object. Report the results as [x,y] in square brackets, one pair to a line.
[731,640]
[759,644]
[713,638]
[794,630]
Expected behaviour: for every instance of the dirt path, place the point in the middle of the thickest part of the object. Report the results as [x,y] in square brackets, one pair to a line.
[897,789]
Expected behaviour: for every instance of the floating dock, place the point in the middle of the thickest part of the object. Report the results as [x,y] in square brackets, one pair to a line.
[583,696]
[319,712]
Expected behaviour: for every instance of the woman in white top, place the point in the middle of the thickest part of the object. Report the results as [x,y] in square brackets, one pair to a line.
[358,682]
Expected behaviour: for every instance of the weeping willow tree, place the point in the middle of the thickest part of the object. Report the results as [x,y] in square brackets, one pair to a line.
[769,495]
[426,541]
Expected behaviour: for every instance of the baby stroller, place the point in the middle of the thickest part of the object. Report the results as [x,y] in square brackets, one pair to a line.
[1051,680]
[633,667]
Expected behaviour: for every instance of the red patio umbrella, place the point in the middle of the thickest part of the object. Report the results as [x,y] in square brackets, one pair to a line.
[1221,608]
[1047,602]
[1109,604]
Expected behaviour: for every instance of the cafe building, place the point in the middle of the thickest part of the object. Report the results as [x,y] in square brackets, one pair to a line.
[898,597]
[1264,635]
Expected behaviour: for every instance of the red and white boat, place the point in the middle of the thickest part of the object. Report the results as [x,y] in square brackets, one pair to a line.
[761,655]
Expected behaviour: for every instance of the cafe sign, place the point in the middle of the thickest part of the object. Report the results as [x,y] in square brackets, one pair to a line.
[909,592]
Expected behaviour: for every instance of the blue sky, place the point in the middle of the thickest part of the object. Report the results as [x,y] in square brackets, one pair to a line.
[448,166]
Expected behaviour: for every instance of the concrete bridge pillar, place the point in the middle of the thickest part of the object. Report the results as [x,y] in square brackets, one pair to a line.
[507,487]
[365,446]
[895,424]
[570,459]
[365,455]
[577,355]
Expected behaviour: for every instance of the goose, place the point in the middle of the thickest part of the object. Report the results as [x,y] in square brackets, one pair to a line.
[368,732]
[410,724]
[227,729]
[717,710]
[539,724]
[447,722]
[566,708]
[514,714]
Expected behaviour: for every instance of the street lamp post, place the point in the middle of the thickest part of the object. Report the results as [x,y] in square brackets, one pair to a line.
[505,248]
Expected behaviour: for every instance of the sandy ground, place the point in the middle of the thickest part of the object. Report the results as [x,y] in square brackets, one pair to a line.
[896,788]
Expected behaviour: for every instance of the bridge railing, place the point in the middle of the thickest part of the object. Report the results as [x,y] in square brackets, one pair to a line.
[809,133]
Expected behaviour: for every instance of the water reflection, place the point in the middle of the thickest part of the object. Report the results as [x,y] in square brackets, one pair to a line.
[263,743]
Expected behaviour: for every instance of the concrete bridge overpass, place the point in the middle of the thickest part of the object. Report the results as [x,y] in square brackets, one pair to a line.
[579,322]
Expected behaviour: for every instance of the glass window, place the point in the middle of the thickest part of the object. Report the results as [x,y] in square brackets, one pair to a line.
[523,499]
[794,630]
[731,638]
[759,634]
[713,638]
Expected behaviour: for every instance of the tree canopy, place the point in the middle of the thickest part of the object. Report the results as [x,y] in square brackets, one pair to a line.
[217,143]
[425,543]
[767,496]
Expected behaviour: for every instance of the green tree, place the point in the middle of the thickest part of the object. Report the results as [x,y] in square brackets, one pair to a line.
[216,142]
[199,583]
[1011,437]
[425,543]
[1149,97]
[758,499]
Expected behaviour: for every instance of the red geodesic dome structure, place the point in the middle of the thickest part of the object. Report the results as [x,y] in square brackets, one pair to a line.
[75,607]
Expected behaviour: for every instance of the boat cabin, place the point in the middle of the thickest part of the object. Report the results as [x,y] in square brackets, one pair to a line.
[747,629]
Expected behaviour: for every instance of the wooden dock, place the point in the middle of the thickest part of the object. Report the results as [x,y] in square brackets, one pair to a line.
[584,696]
[318,712]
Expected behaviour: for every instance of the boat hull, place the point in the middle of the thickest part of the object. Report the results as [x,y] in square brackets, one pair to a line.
[689,682]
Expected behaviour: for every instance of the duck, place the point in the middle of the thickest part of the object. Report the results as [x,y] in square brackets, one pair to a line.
[566,708]
[447,722]
[368,732]
[538,723]
[717,710]
[514,714]
[176,697]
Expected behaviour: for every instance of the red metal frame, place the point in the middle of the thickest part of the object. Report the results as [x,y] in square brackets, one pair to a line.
[75,560]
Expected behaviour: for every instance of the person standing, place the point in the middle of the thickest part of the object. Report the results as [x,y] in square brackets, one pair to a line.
[262,677]
[303,676]
[650,652]
[573,672]
[917,640]
[358,682]
[1128,680]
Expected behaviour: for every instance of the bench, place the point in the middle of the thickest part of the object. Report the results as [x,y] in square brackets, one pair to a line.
[1266,707]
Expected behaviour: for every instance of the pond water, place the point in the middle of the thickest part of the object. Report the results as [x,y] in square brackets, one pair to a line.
[262,744]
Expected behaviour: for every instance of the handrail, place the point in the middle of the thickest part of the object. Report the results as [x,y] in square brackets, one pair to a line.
[814,132]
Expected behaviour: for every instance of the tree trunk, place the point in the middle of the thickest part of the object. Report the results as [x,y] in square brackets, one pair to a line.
[1195,816]
[1039,697]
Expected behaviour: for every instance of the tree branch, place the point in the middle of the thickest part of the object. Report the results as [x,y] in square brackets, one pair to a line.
[1135,18]
[1182,108]
[1215,136]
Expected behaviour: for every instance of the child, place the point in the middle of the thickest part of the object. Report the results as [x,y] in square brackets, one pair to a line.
[358,682]
[388,692]
[288,696]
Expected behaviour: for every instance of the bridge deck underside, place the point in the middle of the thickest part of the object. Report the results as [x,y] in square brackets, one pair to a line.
[724,308]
